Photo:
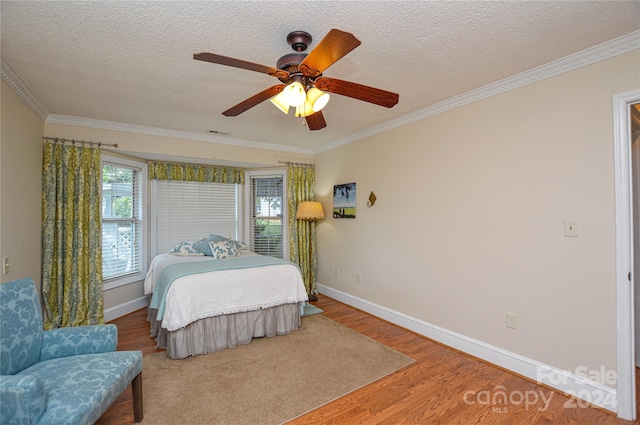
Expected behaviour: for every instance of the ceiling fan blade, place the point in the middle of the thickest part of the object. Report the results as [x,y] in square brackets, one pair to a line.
[316,121]
[237,63]
[332,47]
[253,101]
[358,91]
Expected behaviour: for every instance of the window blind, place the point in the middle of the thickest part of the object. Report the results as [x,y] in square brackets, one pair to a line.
[188,210]
[266,218]
[122,220]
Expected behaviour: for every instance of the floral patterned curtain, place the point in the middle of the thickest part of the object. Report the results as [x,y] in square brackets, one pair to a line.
[195,173]
[71,236]
[302,234]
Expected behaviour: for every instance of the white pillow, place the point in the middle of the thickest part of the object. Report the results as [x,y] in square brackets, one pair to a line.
[223,249]
[241,246]
[186,248]
[203,244]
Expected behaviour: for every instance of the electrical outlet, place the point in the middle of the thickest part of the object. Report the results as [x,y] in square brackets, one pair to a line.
[336,272]
[5,265]
[512,321]
[358,278]
[571,228]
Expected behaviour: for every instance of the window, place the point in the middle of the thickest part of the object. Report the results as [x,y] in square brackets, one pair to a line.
[267,226]
[190,210]
[123,223]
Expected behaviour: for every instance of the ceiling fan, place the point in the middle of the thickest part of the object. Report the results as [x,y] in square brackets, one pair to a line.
[302,84]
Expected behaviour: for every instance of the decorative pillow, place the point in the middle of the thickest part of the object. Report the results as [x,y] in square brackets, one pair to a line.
[186,248]
[223,249]
[203,244]
[241,246]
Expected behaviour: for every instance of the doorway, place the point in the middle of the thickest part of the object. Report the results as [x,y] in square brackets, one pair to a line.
[626,364]
[634,118]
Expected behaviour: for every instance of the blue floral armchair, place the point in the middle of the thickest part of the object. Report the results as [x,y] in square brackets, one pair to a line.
[61,376]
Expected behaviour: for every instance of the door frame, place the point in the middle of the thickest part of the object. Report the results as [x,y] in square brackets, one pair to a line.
[626,391]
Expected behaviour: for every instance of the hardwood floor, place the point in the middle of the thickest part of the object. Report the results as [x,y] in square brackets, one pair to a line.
[443,386]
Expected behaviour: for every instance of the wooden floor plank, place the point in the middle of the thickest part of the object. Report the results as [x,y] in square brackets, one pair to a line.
[443,386]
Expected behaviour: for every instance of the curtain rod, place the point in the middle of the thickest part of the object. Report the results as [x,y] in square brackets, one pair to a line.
[299,164]
[99,144]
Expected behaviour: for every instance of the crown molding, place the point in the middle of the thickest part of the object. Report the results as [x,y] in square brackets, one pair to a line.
[27,95]
[586,57]
[176,134]
[589,56]
[22,90]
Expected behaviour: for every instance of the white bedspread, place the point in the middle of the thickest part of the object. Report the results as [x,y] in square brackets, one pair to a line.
[210,294]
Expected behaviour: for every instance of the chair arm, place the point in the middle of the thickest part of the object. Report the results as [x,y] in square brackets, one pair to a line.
[65,342]
[23,399]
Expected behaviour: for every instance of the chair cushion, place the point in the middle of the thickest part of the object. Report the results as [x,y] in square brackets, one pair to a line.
[20,326]
[64,342]
[80,388]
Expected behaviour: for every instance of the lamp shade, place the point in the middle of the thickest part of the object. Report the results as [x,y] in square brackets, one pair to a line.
[304,110]
[317,98]
[310,211]
[294,94]
[281,102]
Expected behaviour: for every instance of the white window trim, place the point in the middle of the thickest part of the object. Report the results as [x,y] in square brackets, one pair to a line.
[140,275]
[285,210]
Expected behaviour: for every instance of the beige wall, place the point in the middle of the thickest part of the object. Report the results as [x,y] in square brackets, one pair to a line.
[139,145]
[20,187]
[468,224]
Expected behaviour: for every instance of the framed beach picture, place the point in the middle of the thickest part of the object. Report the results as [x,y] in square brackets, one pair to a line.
[344,200]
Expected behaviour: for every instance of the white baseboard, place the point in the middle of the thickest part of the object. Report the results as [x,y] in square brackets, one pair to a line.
[567,382]
[125,308]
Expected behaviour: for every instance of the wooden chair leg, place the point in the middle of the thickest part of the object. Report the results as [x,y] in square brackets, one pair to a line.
[136,386]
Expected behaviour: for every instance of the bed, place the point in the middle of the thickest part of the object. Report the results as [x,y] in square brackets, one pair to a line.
[202,303]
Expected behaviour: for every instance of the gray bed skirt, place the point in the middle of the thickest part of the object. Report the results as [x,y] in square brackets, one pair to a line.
[226,331]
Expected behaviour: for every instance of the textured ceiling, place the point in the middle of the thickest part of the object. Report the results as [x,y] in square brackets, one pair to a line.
[132,62]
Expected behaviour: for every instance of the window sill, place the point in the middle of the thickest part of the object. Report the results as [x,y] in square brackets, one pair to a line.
[121,281]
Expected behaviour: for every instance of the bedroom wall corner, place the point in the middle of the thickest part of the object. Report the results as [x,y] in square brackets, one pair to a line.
[20,187]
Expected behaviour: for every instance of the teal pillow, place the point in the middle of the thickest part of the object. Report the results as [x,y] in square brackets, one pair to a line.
[223,249]
[203,244]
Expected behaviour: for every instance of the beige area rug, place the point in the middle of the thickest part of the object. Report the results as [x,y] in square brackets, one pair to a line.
[269,381]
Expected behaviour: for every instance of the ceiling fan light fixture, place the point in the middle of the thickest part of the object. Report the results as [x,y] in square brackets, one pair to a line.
[299,72]
[294,94]
[305,109]
[281,102]
[317,98]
